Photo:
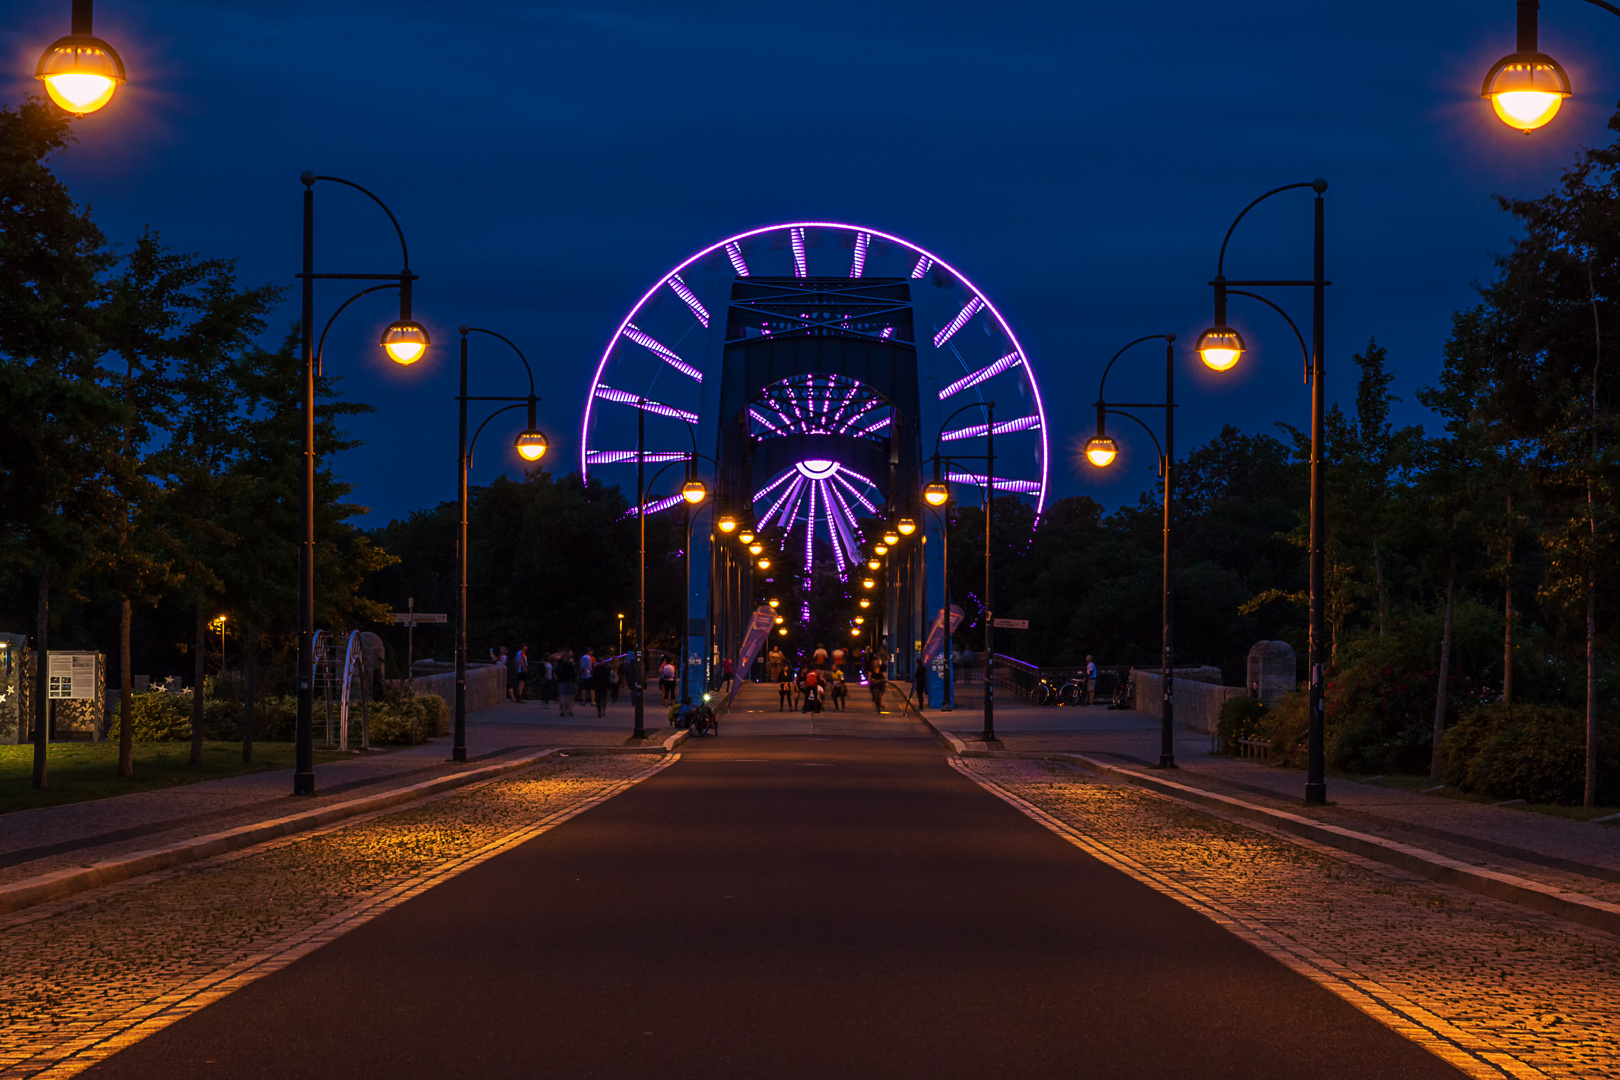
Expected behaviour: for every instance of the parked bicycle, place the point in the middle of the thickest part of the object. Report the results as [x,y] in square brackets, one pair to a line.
[1071,692]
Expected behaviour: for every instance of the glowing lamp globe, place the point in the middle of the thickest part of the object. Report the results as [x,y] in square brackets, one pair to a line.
[727,524]
[782,630]
[80,73]
[865,603]
[1220,347]
[936,494]
[873,564]
[694,492]
[746,536]
[860,620]
[1526,89]
[532,445]
[405,340]
[775,603]
[854,631]
[1101,450]
[868,583]
[891,538]
[756,549]
[906,526]
[764,564]
[780,620]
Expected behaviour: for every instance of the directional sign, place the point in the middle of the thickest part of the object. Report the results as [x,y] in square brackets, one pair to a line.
[1012,624]
[417,618]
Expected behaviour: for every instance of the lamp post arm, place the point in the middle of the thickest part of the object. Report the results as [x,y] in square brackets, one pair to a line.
[472,445]
[465,330]
[1610,8]
[942,424]
[321,345]
[309,179]
[1299,337]
[1132,416]
[1150,337]
[1220,263]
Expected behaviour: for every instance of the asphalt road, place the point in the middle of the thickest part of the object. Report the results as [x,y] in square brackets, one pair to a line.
[783,907]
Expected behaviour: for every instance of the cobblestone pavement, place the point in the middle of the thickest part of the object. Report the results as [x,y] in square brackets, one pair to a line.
[1496,990]
[87,976]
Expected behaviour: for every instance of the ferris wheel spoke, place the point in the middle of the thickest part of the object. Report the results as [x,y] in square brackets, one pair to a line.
[625,397]
[857,267]
[620,457]
[689,298]
[734,253]
[663,352]
[1006,427]
[922,265]
[788,500]
[1004,486]
[773,485]
[860,496]
[657,506]
[801,267]
[989,371]
[969,309]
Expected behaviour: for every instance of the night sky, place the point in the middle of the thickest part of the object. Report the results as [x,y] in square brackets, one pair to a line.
[1079,162]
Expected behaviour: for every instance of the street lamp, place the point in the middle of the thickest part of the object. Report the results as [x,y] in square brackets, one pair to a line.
[880,549]
[937,493]
[1316,658]
[726,523]
[865,603]
[764,564]
[868,583]
[531,444]
[694,491]
[1527,87]
[756,549]
[1102,451]
[906,526]
[304,735]
[775,603]
[891,538]
[80,71]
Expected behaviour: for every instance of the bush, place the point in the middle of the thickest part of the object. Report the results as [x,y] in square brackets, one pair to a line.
[274,718]
[1531,752]
[160,716]
[408,721]
[1241,718]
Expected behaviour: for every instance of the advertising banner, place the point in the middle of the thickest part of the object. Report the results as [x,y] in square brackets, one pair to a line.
[752,642]
[935,645]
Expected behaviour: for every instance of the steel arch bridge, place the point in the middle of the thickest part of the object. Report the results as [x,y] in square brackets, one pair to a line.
[807,365]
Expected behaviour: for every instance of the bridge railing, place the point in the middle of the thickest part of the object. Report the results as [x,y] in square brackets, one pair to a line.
[1021,677]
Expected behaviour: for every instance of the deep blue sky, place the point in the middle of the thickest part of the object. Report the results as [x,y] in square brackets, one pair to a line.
[1079,161]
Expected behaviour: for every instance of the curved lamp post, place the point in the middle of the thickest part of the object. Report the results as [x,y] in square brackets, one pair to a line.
[1527,87]
[1101,451]
[531,445]
[80,71]
[404,340]
[694,500]
[1221,347]
[937,489]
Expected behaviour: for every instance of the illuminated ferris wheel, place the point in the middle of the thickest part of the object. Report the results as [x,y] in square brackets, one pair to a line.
[666,357]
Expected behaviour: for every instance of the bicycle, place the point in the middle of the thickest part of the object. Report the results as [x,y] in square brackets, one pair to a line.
[1069,693]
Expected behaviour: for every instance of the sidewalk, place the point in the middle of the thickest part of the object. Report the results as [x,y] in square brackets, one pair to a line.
[1577,856]
[36,842]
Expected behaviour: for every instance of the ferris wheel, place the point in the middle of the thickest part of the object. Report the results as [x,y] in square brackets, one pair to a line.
[665,358]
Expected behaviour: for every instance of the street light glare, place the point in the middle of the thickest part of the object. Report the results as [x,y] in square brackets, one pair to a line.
[756,549]
[1526,89]
[891,538]
[694,492]
[80,73]
[1220,347]
[1101,450]
[936,494]
[746,536]
[865,603]
[532,445]
[873,564]
[406,340]
[775,602]
[727,524]
[906,526]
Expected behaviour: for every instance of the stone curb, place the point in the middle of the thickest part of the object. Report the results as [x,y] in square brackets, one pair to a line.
[1523,892]
[64,883]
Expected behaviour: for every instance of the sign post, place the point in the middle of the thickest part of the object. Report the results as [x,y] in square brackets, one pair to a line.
[409,618]
[1012,624]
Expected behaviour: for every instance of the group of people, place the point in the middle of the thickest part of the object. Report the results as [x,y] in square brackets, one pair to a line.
[559,677]
[821,679]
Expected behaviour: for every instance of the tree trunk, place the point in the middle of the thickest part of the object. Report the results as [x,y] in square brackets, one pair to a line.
[1445,671]
[1507,642]
[197,687]
[126,688]
[42,701]
[250,687]
[1383,596]
[1590,796]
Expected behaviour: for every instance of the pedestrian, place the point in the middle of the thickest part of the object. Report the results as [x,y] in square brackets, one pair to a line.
[523,672]
[565,684]
[666,680]
[812,690]
[599,687]
[1091,680]
[922,685]
[774,661]
[613,681]
[820,657]
[784,691]
[587,662]
[877,680]
[838,657]
[548,681]
[509,667]
[728,674]
[840,690]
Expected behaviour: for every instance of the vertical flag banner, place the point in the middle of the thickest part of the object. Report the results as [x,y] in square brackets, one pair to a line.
[935,645]
[752,642]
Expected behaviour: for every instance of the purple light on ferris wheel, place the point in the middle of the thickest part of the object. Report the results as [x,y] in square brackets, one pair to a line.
[842,405]
[858,267]
[785,500]
[856,417]
[885,333]
[810,527]
[651,457]
[655,507]
[690,297]
[773,485]
[876,426]
[734,253]
[625,397]
[765,422]
[801,267]
[923,263]
[1004,486]
[642,338]
[990,371]
[1006,427]
[969,309]
[855,491]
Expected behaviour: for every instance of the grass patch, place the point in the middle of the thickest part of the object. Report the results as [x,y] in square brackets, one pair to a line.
[76,772]
[1423,783]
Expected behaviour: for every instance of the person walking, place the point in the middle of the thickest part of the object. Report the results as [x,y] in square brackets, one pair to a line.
[840,690]
[523,672]
[877,680]
[838,658]
[774,661]
[613,680]
[784,691]
[666,680]
[587,663]
[565,684]
[728,674]
[548,682]
[1091,681]
[599,687]
[509,667]
[812,690]
[922,685]
[820,656]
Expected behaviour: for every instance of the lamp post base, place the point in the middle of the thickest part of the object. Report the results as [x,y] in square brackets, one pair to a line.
[458,754]
[1316,794]
[1167,761]
[304,783]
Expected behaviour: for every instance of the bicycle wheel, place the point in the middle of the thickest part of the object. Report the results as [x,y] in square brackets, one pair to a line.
[1042,694]
[1071,693]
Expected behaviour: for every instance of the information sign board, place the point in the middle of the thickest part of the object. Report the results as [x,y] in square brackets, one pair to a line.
[72,676]
[417,618]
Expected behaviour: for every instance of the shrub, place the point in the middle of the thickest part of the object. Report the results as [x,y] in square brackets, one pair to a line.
[275,718]
[160,715]
[1285,725]
[1241,718]
[1531,752]
[435,714]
